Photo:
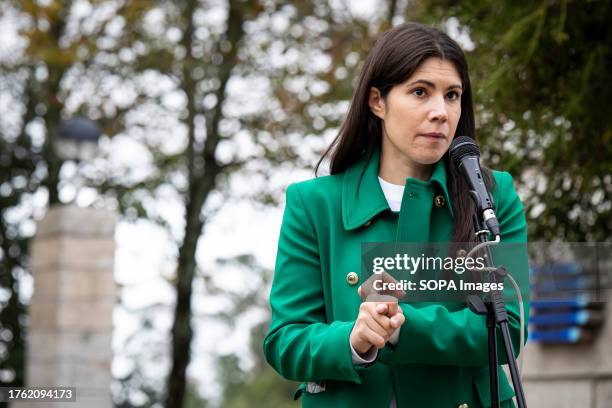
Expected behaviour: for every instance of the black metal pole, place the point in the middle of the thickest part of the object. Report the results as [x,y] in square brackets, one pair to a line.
[497,316]
[493,378]
[516,380]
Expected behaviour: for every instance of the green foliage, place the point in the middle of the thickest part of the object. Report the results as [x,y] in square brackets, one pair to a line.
[541,75]
[265,389]
[17,181]
[193,398]
[262,387]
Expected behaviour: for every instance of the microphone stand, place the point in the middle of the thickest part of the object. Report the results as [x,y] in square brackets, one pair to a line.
[495,310]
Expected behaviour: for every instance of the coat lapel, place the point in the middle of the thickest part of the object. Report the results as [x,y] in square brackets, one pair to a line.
[362,197]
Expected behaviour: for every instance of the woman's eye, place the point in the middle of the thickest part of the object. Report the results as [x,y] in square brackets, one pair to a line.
[453,95]
[419,92]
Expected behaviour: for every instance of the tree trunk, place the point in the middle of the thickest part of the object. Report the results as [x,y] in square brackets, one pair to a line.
[201,183]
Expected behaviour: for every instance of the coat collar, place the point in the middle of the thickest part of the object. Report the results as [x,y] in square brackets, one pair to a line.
[362,196]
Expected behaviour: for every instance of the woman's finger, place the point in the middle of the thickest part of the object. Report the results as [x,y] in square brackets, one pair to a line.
[398,320]
[375,339]
[382,308]
[374,326]
[381,319]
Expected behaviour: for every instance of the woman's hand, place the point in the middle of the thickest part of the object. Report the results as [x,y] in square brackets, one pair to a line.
[374,326]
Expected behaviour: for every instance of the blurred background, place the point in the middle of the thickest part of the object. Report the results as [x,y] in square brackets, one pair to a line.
[174,127]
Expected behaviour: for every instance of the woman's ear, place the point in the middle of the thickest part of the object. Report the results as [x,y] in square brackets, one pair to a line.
[376,102]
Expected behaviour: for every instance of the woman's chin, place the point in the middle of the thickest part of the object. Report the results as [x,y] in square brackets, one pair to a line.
[430,157]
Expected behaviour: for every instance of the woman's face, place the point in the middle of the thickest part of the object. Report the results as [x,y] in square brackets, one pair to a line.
[420,116]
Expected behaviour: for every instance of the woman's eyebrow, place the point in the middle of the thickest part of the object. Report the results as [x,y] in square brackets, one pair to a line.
[432,85]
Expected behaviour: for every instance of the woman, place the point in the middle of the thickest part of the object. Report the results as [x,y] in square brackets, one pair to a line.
[391,180]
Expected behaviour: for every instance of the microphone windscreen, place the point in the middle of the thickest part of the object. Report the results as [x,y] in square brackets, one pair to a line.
[462,146]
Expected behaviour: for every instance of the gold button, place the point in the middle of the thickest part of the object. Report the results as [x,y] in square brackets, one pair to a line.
[352,278]
[367,224]
[463,406]
[439,201]
[461,253]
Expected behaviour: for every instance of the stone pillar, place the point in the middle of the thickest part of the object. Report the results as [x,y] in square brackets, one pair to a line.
[568,376]
[69,339]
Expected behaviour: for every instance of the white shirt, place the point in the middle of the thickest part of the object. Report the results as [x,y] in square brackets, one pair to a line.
[393,193]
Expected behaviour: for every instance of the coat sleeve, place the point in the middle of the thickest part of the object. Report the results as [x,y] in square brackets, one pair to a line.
[435,335]
[300,345]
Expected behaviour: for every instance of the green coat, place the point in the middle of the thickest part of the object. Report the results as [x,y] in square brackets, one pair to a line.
[441,357]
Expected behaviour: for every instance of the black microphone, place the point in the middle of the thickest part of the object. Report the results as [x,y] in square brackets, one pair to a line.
[464,154]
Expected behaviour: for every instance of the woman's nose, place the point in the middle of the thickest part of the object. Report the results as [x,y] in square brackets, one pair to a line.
[438,110]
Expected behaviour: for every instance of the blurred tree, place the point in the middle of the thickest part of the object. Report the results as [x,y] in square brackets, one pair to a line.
[260,386]
[151,68]
[283,52]
[47,51]
[15,171]
[259,389]
[193,398]
[540,71]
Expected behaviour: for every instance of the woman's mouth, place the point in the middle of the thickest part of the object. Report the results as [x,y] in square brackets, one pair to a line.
[433,135]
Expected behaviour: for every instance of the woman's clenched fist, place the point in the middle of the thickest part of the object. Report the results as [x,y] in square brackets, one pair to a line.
[375,323]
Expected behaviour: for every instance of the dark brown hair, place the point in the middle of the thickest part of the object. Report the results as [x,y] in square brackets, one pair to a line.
[394,58]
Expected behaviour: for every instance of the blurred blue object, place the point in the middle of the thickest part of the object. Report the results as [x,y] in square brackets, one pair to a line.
[568,335]
[577,283]
[579,318]
[557,268]
[579,302]
[79,129]
[567,305]
[77,139]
